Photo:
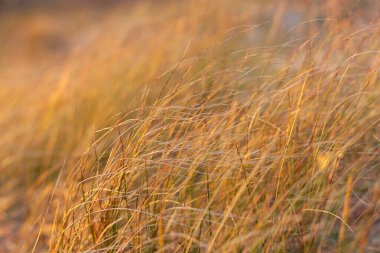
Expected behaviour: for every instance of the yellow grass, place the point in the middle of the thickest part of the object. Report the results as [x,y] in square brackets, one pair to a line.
[190,126]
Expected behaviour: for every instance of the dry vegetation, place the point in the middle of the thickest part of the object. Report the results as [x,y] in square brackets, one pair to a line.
[190,126]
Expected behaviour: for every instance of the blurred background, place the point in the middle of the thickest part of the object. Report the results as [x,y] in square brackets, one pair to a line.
[37,36]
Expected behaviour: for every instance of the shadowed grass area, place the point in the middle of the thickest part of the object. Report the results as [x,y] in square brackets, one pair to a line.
[185,127]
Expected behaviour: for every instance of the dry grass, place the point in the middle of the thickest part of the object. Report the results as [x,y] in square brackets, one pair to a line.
[185,127]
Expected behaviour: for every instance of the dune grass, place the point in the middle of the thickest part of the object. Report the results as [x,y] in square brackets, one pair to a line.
[235,157]
[229,137]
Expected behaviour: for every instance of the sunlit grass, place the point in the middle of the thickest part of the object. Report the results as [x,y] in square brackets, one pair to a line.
[199,134]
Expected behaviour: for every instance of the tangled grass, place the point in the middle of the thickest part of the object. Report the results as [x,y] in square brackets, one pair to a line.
[233,159]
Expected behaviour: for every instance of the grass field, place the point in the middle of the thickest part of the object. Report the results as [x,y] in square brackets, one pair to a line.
[190,126]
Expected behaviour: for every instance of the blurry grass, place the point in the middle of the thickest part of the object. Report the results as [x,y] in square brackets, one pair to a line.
[201,133]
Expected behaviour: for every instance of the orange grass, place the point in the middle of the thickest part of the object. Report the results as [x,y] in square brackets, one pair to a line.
[204,133]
